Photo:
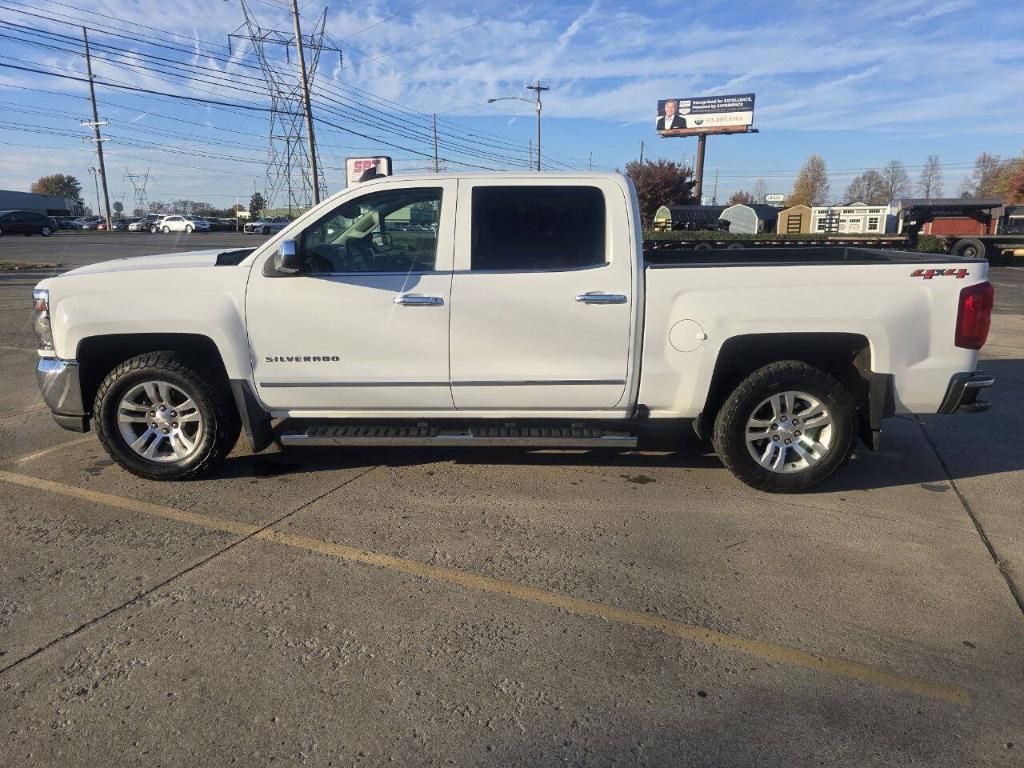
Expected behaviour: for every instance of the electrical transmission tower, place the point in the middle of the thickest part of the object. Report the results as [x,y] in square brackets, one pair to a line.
[290,172]
[139,181]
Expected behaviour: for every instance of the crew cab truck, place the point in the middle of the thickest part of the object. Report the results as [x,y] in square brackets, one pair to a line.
[520,310]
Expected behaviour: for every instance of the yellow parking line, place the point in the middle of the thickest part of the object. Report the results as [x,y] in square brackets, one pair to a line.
[53,448]
[768,651]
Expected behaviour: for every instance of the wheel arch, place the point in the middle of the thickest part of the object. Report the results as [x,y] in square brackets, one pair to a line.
[847,356]
[99,355]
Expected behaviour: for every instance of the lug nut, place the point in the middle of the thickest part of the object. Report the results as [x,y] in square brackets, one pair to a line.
[175,425]
[797,433]
[163,407]
[795,422]
[774,425]
[788,441]
[173,413]
[154,425]
[776,438]
[167,431]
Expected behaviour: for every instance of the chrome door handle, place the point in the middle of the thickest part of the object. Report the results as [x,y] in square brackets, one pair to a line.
[602,297]
[416,300]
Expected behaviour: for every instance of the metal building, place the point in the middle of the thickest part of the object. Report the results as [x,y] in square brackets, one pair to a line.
[44,204]
[688,217]
[750,219]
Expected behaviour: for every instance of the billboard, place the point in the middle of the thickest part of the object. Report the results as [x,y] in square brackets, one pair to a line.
[705,114]
[355,167]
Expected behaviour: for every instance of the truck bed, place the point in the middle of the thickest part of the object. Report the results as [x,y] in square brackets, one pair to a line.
[674,258]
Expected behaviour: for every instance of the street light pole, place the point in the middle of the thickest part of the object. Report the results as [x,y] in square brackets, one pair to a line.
[536,87]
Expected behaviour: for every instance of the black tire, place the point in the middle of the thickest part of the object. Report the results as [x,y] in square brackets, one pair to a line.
[188,229]
[735,246]
[266,230]
[702,247]
[221,424]
[45,231]
[167,230]
[786,375]
[969,248]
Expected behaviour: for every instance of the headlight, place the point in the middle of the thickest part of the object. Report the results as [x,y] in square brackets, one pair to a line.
[41,308]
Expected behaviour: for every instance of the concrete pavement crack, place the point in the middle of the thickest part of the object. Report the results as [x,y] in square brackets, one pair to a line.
[185,571]
[1014,589]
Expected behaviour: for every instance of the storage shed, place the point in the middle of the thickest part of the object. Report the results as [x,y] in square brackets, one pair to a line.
[688,217]
[750,219]
[795,220]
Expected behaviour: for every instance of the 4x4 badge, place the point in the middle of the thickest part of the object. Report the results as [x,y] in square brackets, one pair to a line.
[928,274]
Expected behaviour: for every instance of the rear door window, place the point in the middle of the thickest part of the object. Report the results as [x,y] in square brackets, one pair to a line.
[548,228]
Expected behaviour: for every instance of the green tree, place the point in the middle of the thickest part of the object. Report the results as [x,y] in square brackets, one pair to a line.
[58,185]
[256,204]
[811,186]
[659,183]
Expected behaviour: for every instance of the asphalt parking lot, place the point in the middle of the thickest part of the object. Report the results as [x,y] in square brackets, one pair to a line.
[511,607]
[75,248]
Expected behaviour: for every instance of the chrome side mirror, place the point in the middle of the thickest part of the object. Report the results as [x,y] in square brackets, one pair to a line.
[286,260]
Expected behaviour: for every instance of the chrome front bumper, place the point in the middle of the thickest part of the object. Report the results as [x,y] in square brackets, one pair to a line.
[61,389]
[963,390]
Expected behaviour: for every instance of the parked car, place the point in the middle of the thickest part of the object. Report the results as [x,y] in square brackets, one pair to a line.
[88,222]
[532,318]
[266,226]
[178,223]
[120,225]
[25,223]
[66,222]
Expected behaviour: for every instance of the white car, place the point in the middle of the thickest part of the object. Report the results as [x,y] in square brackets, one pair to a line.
[266,226]
[176,223]
[532,317]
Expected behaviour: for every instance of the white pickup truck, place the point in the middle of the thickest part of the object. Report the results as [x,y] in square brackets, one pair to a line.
[490,310]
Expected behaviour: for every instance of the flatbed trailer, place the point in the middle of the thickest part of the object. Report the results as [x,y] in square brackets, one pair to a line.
[996,248]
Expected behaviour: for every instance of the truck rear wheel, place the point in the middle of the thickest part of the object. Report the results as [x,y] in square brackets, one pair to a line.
[160,418]
[787,427]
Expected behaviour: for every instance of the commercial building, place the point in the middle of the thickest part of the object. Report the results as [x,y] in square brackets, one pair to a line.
[859,218]
[44,204]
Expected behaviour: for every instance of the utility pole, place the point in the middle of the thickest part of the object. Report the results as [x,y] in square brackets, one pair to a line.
[698,187]
[714,195]
[641,151]
[537,88]
[306,105]
[95,123]
[437,165]
[590,161]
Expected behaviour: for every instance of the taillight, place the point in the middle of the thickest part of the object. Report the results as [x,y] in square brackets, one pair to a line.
[974,316]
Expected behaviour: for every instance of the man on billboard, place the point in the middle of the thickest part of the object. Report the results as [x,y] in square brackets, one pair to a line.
[671,119]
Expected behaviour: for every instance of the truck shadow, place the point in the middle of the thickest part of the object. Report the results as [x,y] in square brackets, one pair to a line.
[970,445]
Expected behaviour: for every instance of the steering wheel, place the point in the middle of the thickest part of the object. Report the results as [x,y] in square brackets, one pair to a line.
[359,253]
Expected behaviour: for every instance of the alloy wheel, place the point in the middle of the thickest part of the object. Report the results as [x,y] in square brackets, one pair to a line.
[789,432]
[160,421]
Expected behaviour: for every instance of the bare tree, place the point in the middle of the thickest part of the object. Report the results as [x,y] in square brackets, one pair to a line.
[929,185]
[985,179]
[896,180]
[760,191]
[869,187]
[811,186]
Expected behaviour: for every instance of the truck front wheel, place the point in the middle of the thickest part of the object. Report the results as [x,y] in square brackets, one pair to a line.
[160,418]
[787,427]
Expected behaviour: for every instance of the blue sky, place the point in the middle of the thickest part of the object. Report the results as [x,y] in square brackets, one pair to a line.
[858,83]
